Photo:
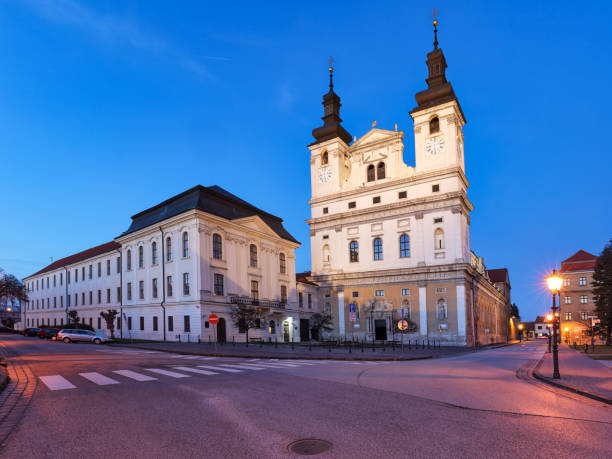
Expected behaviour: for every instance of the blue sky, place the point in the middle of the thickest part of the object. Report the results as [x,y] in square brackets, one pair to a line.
[107,108]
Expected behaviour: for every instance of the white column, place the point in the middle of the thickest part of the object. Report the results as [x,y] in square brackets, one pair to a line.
[423,310]
[461,309]
[420,231]
[341,311]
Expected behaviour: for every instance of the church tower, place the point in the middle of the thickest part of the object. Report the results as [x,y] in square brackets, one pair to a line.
[438,118]
[329,158]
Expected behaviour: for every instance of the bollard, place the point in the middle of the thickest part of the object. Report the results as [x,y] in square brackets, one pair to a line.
[309,345]
[187,338]
[428,344]
[362,346]
[373,345]
[350,348]
[179,337]
[393,345]
[209,342]
[275,343]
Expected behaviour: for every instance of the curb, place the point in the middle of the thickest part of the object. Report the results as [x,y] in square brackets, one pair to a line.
[568,388]
[286,357]
[4,377]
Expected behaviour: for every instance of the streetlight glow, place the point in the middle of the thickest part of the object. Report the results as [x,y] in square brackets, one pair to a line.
[554,282]
[549,317]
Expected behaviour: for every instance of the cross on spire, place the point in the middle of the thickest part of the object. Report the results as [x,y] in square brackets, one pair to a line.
[331,72]
[435,24]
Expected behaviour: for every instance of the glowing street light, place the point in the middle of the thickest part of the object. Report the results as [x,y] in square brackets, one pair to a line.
[554,285]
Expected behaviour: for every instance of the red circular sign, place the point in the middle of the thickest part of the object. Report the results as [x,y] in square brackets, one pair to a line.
[213,319]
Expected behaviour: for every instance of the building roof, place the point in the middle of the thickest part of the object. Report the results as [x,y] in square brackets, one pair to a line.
[77,257]
[580,261]
[304,278]
[499,275]
[213,200]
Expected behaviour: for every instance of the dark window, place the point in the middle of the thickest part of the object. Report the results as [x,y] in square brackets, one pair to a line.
[168,249]
[108,263]
[185,283]
[185,244]
[380,171]
[378,249]
[118,265]
[254,289]
[435,188]
[402,195]
[141,290]
[310,301]
[99,296]
[187,327]
[90,271]
[99,269]
[355,294]
[129,323]
[217,247]
[129,291]
[300,299]
[324,159]
[169,285]
[376,200]
[141,257]
[283,263]
[325,210]
[371,173]
[284,293]
[141,323]
[118,294]
[404,246]
[434,125]
[170,323]
[154,323]
[354,251]
[118,323]
[108,298]
[253,255]
[352,205]
[218,284]
[129,260]
[99,323]
[154,252]
[154,284]
[438,220]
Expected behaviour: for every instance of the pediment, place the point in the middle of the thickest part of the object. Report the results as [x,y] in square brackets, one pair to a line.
[255,223]
[374,135]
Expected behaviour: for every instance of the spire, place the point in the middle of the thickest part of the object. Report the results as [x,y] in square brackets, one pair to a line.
[435,24]
[331,115]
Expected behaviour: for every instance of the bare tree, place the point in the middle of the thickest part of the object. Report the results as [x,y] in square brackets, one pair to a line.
[245,318]
[109,318]
[11,288]
[74,317]
[320,322]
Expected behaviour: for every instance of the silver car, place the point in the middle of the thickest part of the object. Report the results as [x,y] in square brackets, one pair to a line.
[74,336]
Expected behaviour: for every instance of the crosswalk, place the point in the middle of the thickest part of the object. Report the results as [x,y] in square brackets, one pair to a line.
[177,371]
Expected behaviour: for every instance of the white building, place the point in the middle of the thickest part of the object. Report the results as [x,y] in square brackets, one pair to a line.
[193,255]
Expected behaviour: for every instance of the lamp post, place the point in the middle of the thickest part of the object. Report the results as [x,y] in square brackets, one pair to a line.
[549,318]
[554,285]
[520,327]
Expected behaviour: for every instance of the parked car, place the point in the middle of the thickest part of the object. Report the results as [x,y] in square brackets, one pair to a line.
[31,332]
[4,329]
[48,333]
[73,336]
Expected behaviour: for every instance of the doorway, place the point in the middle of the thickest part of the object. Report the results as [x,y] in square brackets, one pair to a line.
[304,332]
[286,331]
[221,336]
[380,329]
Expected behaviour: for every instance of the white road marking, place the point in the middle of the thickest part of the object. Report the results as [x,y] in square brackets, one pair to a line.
[294,362]
[98,379]
[242,367]
[259,366]
[172,374]
[192,357]
[275,365]
[133,375]
[229,370]
[57,382]
[253,360]
[208,358]
[196,370]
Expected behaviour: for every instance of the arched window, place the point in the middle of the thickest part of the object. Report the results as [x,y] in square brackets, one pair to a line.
[283,263]
[371,173]
[154,252]
[354,251]
[438,239]
[129,260]
[217,247]
[324,159]
[380,171]
[434,125]
[185,244]
[141,257]
[326,256]
[253,255]
[378,251]
[404,241]
[442,312]
[406,312]
[272,327]
[168,249]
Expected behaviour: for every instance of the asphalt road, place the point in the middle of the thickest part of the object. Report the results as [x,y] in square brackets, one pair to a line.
[97,401]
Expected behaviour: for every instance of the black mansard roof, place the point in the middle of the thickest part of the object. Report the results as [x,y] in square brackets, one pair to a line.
[213,200]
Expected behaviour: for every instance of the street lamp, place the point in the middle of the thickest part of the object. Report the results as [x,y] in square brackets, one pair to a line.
[554,285]
[520,332]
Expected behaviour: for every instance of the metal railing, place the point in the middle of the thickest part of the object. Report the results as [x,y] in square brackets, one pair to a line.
[249,301]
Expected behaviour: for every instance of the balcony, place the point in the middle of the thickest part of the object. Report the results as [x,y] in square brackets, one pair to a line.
[248,301]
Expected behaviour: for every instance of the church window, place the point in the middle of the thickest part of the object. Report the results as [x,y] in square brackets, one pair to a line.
[217,247]
[404,241]
[371,173]
[129,261]
[434,125]
[439,239]
[141,257]
[253,255]
[154,252]
[435,188]
[380,171]
[326,257]
[378,249]
[442,313]
[324,159]
[185,244]
[168,249]
[354,251]
[352,205]
[376,200]
[283,263]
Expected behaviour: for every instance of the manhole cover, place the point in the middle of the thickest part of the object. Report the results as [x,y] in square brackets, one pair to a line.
[309,447]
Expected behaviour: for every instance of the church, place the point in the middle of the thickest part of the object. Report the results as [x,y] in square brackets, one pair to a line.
[390,243]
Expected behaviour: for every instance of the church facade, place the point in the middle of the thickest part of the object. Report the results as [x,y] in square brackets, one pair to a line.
[390,243]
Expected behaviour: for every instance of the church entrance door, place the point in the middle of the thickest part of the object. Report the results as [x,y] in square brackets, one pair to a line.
[380,329]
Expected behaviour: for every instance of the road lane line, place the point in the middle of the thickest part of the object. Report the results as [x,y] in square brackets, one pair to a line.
[229,370]
[98,379]
[192,357]
[172,374]
[274,365]
[208,358]
[196,370]
[56,382]
[242,367]
[135,376]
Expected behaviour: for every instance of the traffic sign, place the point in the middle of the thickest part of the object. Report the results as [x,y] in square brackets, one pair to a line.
[402,325]
[213,319]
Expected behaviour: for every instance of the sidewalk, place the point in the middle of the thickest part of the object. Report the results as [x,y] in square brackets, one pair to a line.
[579,374]
[300,351]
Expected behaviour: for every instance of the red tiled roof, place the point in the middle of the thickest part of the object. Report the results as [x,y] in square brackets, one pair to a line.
[84,255]
[498,275]
[580,261]
[303,278]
